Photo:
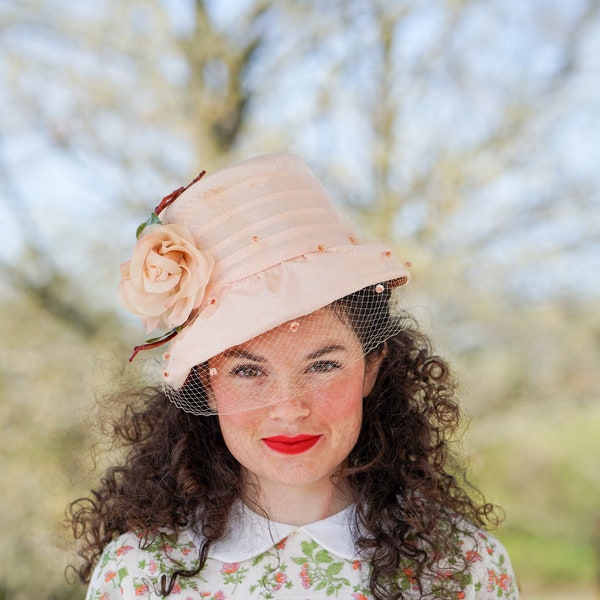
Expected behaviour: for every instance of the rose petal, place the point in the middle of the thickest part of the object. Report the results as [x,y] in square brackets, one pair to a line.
[166,277]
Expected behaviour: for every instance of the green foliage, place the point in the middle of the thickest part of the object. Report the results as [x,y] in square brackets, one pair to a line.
[551,558]
[543,469]
[64,592]
[48,418]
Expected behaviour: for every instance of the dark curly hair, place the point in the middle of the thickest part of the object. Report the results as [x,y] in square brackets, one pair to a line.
[411,493]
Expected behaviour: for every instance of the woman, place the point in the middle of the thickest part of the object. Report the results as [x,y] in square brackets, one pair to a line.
[298,445]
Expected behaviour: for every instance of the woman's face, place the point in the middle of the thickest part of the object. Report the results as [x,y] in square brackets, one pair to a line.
[310,401]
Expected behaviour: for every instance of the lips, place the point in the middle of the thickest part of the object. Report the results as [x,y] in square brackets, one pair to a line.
[291,444]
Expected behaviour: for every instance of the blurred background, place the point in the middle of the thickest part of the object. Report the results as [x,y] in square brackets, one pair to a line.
[465,132]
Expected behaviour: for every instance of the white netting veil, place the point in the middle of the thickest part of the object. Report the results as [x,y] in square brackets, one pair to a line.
[262,289]
[297,359]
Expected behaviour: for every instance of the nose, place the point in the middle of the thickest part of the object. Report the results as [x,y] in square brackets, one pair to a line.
[291,404]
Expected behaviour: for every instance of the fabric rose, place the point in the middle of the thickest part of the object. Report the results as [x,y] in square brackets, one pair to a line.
[166,277]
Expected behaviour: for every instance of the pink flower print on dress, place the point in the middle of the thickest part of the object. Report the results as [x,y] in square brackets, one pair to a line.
[110,575]
[306,580]
[493,580]
[473,556]
[141,589]
[280,579]
[281,545]
[229,568]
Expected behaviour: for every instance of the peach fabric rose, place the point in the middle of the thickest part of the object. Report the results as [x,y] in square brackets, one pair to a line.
[166,277]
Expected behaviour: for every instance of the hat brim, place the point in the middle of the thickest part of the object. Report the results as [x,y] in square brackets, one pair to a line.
[252,306]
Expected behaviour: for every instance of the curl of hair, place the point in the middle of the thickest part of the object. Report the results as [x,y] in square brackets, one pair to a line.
[161,483]
[411,493]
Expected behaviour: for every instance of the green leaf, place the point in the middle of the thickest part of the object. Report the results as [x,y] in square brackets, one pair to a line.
[323,556]
[334,569]
[321,585]
[299,560]
[153,220]
[308,548]
[164,335]
[258,559]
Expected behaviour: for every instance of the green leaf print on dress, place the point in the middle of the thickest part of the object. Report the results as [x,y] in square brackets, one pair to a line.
[274,576]
[319,569]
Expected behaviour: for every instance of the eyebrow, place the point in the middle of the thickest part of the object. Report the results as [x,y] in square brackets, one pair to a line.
[241,353]
[325,350]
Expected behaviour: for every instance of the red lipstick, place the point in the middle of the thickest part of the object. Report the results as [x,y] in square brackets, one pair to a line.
[291,445]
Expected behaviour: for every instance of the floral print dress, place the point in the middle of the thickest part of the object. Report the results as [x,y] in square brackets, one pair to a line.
[260,559]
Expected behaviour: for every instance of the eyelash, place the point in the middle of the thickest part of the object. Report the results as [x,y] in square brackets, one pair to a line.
[251,371]
[324,366]
[247,371]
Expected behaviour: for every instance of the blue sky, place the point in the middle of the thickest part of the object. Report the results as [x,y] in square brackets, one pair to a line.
[71,195]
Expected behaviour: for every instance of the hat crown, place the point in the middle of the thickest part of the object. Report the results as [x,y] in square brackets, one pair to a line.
[257,214]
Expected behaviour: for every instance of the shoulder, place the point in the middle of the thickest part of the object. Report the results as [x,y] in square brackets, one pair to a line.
[130,564]
[131,547]
[490,571]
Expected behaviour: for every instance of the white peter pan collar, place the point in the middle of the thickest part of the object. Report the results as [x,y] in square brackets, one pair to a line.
[249,535]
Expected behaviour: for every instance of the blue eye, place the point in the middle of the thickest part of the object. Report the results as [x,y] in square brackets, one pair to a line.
[324,366]
[247,371]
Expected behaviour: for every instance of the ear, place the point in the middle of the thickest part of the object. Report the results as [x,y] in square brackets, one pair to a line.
[372,365]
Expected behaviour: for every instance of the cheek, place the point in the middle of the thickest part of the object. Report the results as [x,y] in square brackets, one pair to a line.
[235,430]
[345,408]
[221,395]
[342,406]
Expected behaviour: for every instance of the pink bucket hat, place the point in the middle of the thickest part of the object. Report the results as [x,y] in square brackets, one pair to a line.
[240,252]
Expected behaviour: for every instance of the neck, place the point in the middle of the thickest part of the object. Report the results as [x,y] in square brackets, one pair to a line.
[297,505]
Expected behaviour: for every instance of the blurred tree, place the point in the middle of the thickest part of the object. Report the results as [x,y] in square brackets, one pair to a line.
[462,129]
[420,112]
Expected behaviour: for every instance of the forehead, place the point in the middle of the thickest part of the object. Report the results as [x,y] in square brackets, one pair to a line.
[322,328]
